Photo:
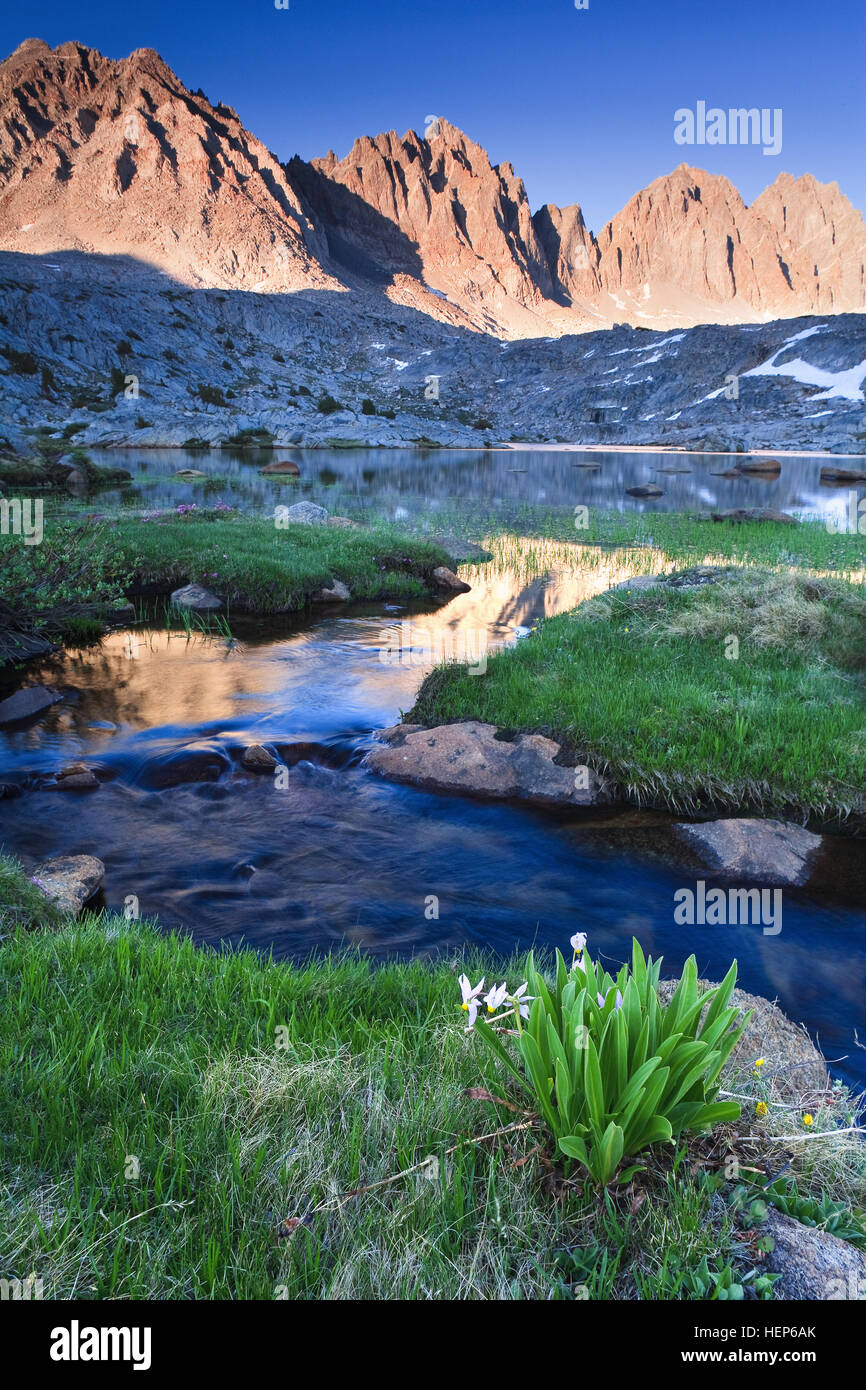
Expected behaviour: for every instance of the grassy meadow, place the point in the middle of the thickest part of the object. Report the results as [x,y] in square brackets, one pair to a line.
[184,1124]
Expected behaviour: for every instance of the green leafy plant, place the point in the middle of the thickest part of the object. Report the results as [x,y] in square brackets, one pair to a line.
[611,1069]
[723,1283]
[752,1210]
[835,1217]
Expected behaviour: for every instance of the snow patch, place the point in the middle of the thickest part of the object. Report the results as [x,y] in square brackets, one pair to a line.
[845,384]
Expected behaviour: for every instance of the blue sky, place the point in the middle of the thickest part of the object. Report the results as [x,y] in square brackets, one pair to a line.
[581,102]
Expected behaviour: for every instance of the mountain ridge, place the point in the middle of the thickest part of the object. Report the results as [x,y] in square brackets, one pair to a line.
[118,156]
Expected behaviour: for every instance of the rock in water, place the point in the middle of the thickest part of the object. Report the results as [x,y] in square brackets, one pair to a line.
[197,598]
[70,880]
[27,702]
[184,767]
[286,467]
[257,758]
[842,475]
[447,579]
[769,852]
[645,490]
[76,777]
[760,466]
[470,758]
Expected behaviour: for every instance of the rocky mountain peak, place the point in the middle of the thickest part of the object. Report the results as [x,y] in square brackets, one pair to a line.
[120,158]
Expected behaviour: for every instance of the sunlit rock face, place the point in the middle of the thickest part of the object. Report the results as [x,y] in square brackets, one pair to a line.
[120,158]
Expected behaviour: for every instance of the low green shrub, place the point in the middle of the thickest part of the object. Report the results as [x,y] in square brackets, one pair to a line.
[720,1282]
[836,1217]
[21,363]
[211,395]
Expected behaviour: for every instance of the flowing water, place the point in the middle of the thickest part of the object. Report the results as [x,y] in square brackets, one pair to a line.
[339,856]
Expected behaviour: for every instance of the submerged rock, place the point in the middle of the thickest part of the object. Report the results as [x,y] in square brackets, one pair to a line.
[70,880]
[282,466]
[196,597]
[76,777]
[645,490]
[843,475]
[770,852]
[33,699]
[471,758]
[187,766]
[760,466]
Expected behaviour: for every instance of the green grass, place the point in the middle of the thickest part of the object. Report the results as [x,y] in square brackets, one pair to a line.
[638,684]
[252,564]
[648,539]
[79,573]
[119,1042]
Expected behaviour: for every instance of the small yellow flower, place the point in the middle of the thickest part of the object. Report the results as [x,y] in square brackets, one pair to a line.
[761,1062]
[808,1120]
[761,1108]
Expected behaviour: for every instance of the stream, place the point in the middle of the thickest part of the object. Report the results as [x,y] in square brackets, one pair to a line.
[337,856]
